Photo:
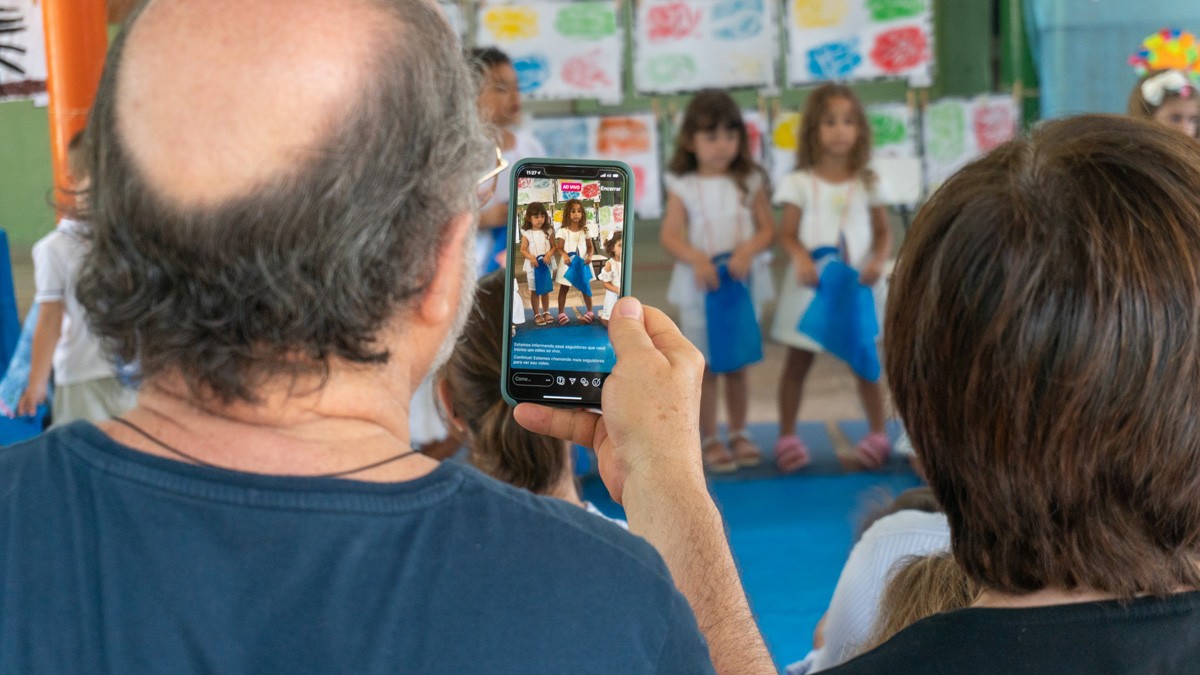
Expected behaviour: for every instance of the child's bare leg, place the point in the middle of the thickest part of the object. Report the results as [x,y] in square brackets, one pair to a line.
[791,388]
[871,394]
[737,400]
[562,298]
[533,301]
[717,457]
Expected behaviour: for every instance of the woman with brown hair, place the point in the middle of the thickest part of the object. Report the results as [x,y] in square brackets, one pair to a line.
[1043,347]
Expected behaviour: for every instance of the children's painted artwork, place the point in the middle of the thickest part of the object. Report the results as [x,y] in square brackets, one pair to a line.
[893,132]
[561,50]
[959,130]
[632,139]
[781,148]
[687,45]
[22,51]
[859,40]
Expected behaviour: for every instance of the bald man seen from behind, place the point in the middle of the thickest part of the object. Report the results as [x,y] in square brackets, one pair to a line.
[284,198]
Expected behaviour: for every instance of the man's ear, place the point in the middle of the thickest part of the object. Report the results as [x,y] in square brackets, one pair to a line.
[441,297]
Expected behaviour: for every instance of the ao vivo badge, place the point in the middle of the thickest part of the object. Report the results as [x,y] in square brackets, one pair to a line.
[570,228]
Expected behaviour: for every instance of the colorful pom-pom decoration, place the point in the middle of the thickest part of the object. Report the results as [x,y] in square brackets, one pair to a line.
[1168,49]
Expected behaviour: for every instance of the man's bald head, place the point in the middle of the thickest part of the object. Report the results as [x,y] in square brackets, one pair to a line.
[272,180]
[215,97]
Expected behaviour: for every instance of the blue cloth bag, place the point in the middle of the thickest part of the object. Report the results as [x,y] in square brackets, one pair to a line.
[579,274]
[734,337]
[543,283]
[841,318]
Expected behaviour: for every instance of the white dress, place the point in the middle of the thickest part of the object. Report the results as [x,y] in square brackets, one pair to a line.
[573,242]
[832,214]
[539,244]
[719,219]
[524,145]
[612,274]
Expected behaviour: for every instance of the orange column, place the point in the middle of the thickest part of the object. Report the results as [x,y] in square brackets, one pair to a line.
[76,42]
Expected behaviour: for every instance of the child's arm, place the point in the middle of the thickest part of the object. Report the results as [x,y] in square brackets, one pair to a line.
[590,251]
[560,245]
[764,233]
[674,238]
[525,252]
[881,247]
[605,276]
[45,338]
[789,239]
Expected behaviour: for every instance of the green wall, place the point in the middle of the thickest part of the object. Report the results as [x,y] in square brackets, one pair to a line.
[25,173]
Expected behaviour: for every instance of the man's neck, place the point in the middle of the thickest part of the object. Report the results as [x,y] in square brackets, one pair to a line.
[336,429]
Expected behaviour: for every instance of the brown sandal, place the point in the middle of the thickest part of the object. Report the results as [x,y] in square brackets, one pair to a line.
[717,458]
[745,452]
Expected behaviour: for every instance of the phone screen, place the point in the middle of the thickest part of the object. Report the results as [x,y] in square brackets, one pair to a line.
[569,260]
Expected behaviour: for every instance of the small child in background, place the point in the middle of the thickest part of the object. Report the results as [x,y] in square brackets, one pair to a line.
[717,216]
[1168,97]
[574,243]
[538,246]
[830,205]
[86,383]
[920,587]
[610,276]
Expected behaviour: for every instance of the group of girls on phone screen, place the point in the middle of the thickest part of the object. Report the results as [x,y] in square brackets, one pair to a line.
[570,245]
[718,225]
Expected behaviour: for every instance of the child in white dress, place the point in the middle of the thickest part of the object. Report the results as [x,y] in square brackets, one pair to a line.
[573,239]
[830,205]
[610,276]
[717,205]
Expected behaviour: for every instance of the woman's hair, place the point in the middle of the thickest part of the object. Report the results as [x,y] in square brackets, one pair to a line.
[808,149]
[567,213]
[1043,349]
[538,209]
[711,110]
[1161,83]
[921,586]
[498,446]
[610,246]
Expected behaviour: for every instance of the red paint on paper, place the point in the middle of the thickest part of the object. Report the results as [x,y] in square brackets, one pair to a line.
[591,191]
[620,135]
[585,72]
[673,21]
[900,49]
[994,125]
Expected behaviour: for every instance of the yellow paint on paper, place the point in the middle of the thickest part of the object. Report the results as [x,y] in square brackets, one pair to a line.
[787,132]
[820,13]
[509,24]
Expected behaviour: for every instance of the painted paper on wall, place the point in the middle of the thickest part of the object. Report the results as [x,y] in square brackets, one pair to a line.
[959,130]
[859,40]
[632,139]
[695,44]
[22,51]
[560,50]
[893,132]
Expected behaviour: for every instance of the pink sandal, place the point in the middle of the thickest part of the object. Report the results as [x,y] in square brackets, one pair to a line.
[791,454]
[563,319]
[873,450]
[585,318]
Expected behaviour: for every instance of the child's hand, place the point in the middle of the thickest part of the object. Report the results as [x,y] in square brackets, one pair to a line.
[739,264]
[806,270]
[871,272]
[706,275]
[33,396]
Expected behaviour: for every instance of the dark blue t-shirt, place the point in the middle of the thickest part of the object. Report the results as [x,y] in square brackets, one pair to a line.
[112,560]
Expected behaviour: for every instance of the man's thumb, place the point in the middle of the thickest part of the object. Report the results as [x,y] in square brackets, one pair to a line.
[627,327]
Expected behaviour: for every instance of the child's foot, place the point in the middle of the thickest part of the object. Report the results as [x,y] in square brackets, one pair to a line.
[717,458]
[537,319]
[791,454]
[563,319]
[745,452]
[547,319]
[873,450]
[586,317]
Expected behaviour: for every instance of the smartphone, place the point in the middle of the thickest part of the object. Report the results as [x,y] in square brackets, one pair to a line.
[570,228]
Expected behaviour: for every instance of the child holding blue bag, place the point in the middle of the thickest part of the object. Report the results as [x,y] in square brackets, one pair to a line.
[537,246]
[575,247]
[834,229]
[717,225]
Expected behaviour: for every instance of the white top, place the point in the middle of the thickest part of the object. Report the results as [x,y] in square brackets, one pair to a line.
[855,604]
[57,258]
[524,145]
[829,209]
[573,242]
[611,272]
[539,244]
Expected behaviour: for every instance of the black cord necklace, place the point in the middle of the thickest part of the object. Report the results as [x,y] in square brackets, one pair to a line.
[200,462]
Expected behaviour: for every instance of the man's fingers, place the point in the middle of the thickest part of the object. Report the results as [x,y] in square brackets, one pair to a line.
[575,426]
[627,328]
[665,336]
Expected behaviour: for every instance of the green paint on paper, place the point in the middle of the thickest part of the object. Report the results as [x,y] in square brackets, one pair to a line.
[890,10]
[946,131]
[588,20]
[670,70]
[887,129]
